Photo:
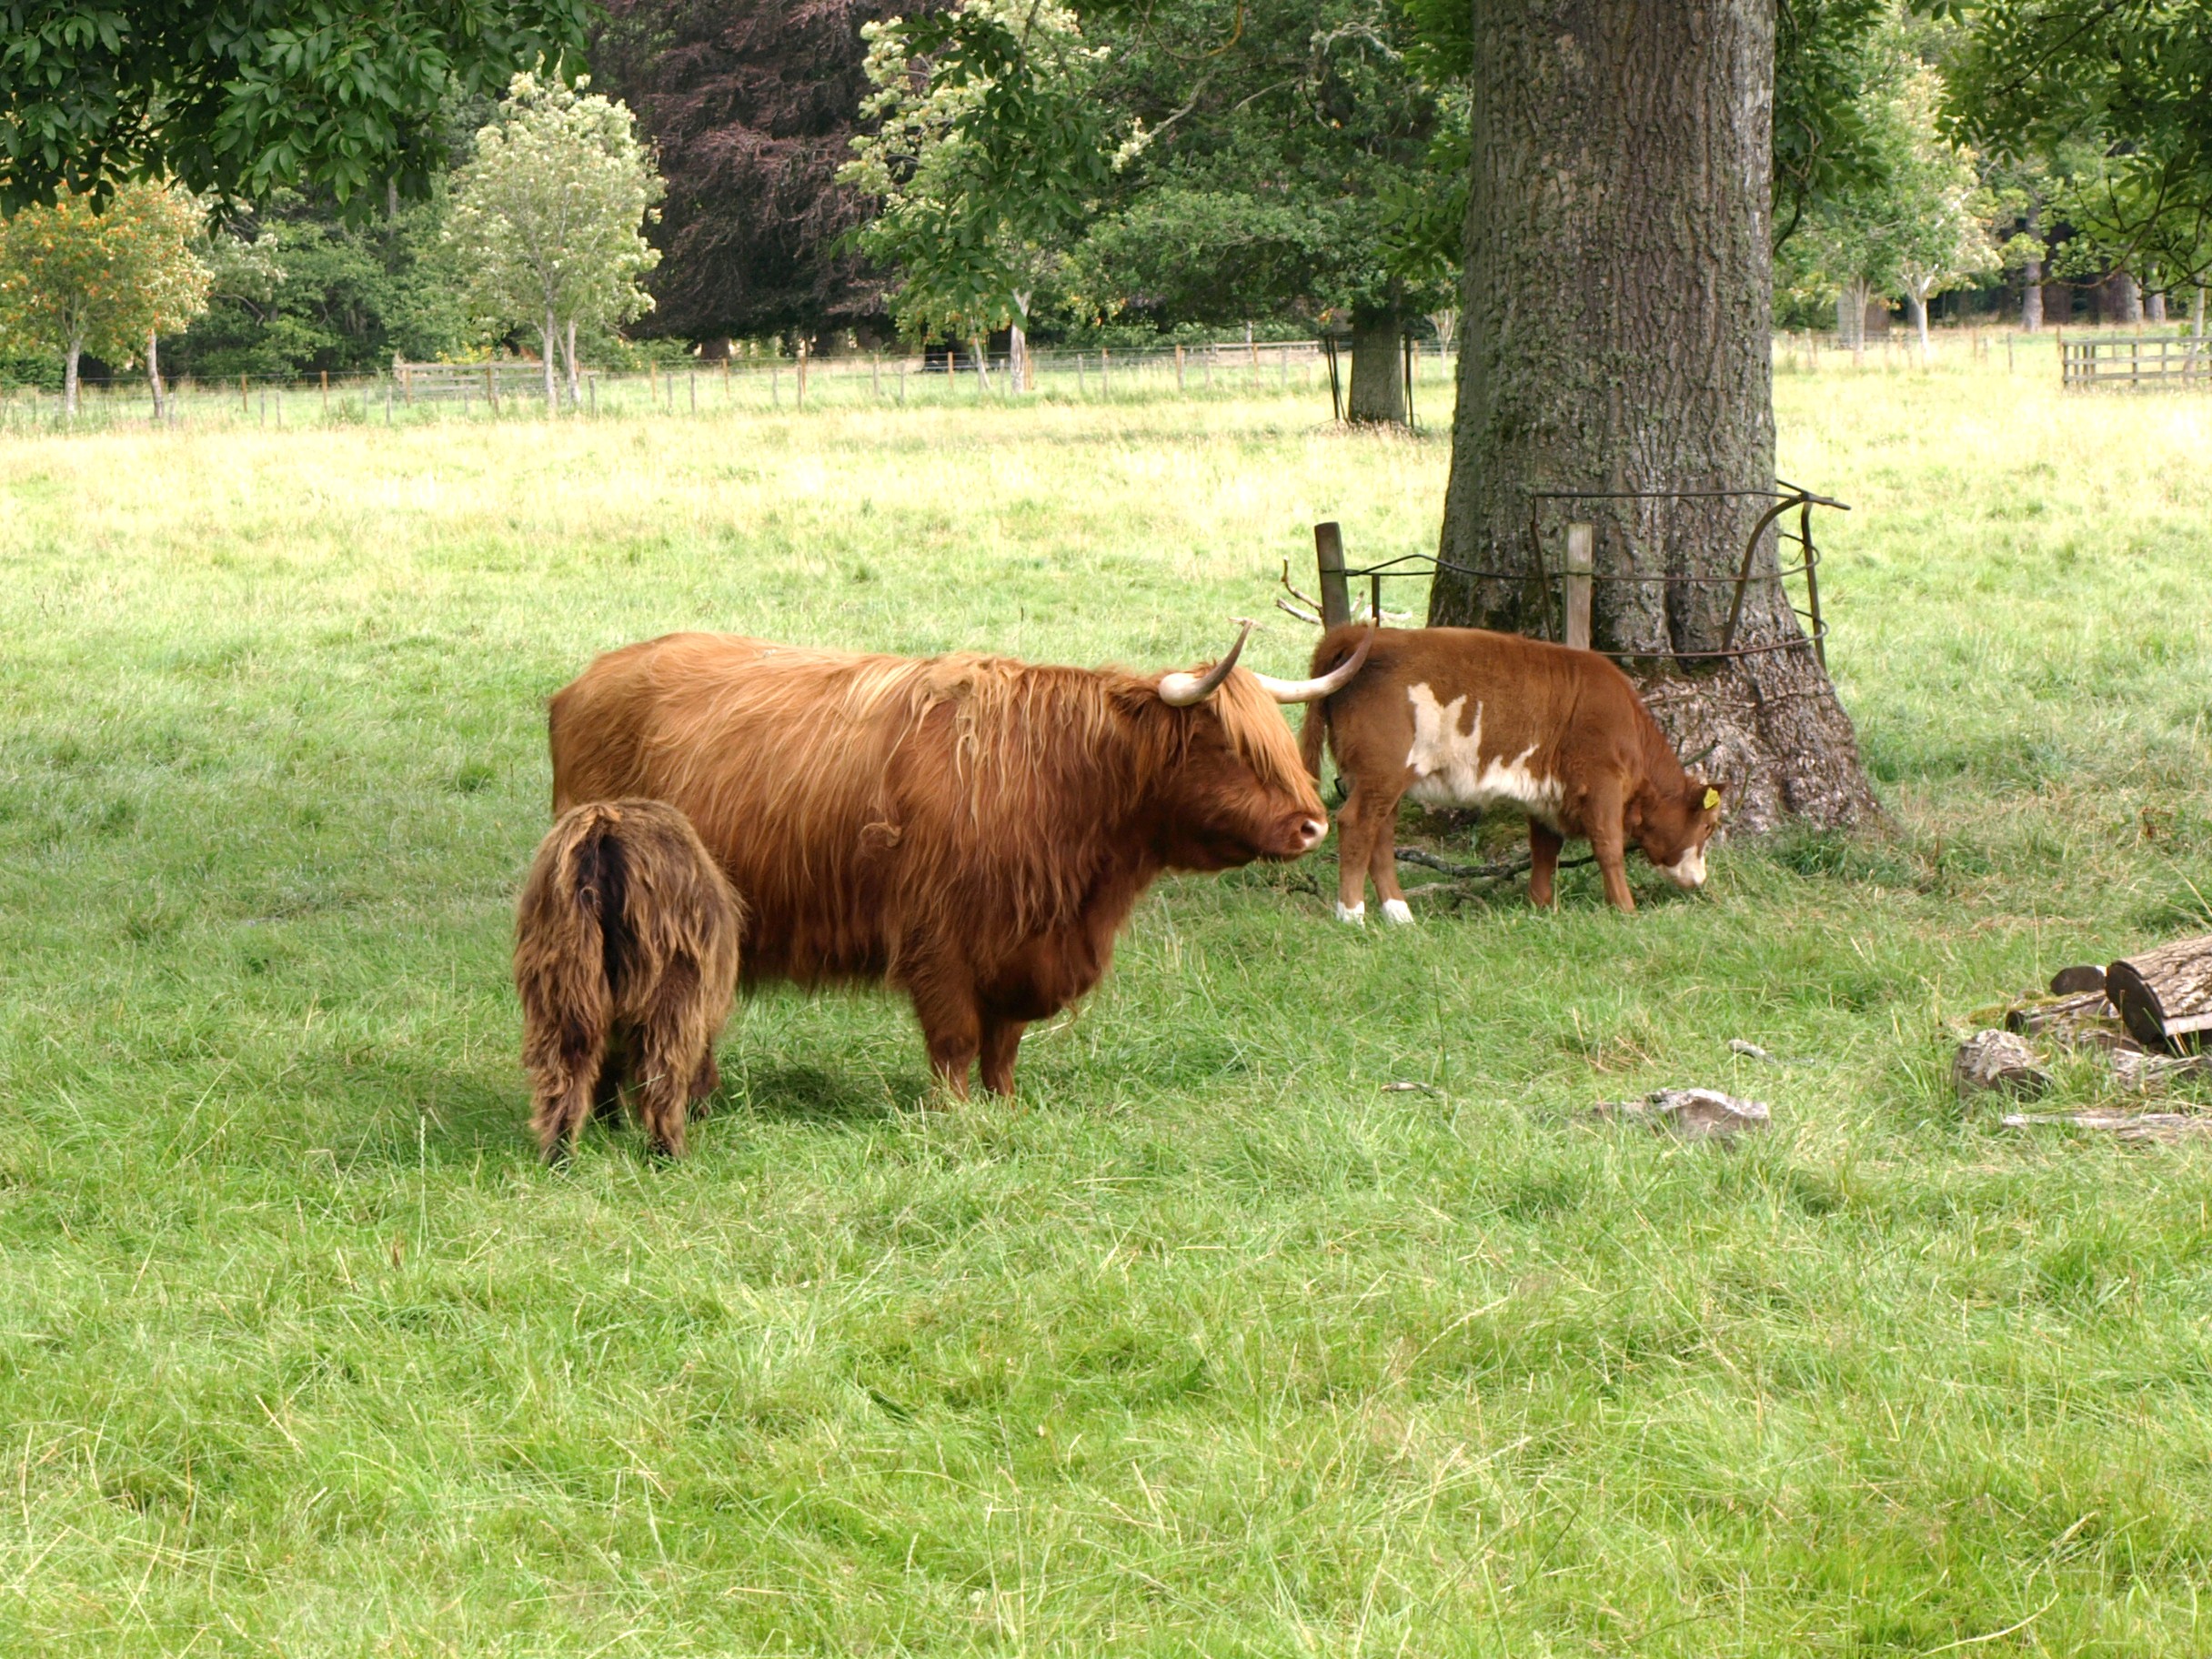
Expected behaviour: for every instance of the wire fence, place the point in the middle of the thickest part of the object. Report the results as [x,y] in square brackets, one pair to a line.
[511,389]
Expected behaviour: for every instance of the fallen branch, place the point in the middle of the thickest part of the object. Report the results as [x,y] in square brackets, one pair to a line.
[1478,872]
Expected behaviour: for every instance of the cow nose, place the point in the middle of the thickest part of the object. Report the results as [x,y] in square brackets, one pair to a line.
[1310,831]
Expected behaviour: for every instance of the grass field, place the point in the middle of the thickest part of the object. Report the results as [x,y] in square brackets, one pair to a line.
[1209,1344]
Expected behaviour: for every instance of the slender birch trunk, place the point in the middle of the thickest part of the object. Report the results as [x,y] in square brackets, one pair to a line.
[575,400]
[2031,297]
[1920,320]
[153,369]
[77,348]
[1018,346]
[2196,313]
[552,345]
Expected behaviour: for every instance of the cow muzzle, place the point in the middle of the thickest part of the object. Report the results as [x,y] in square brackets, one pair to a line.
[1688,872]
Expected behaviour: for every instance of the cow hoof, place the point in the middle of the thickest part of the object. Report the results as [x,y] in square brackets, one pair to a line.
[1356,914]
[1397,911]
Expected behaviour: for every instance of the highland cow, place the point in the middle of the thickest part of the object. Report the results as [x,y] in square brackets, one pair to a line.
[970,829]
[626,957]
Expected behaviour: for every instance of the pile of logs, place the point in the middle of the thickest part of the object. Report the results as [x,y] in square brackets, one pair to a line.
[2149,1016]
[2159,1002]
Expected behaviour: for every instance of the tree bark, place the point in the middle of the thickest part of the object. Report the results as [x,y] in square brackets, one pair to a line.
[575,400]
[153,369]
[1378,373]
[2196,313]
[552,345]
[1920,321]
[2031,297]
[1617,337]
[77,350]
[2153,308]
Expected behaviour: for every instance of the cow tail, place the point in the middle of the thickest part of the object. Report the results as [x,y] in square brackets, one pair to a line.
[573,944]
[1313,735]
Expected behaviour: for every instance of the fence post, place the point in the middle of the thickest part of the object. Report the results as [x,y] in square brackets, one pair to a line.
[326,394]
[387,403]
[694,385]
[875,376]
[1581,546]
[1179,370]
[902,383]
[1329,555]
[802,373]
[775,385]
[491,389]
[245,405]
[1081,388]
[592,388]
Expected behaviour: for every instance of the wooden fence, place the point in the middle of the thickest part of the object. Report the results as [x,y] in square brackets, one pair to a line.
[2136,362]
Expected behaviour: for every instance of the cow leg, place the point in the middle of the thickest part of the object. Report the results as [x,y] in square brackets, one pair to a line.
[606,1093]
[1382,867]
[951,1027]
[1543,844]
[1368,821]
[669,1063]
[562,1090]
[704,1083]
[1609,842]
[1001,1047]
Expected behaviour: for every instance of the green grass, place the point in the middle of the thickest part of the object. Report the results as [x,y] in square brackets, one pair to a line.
[1209,1344]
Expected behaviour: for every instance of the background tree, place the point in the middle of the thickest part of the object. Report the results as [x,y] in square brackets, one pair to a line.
[750,106]
[1616,339]
[547,215]
[80,276]
[974,227]
[243,97]
[2130,79]
[1295,160]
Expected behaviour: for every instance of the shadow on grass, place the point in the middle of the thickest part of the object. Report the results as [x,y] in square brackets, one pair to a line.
[810,1094]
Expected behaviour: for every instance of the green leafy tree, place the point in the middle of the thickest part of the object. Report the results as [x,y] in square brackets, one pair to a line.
[977,227]
[244,97]
[2131,80]
[108,279]
[547,216]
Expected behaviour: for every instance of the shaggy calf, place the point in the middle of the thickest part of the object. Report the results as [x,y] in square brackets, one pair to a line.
[1461,717]
[626,956]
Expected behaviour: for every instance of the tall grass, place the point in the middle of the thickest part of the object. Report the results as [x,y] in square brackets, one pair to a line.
[1211,1343]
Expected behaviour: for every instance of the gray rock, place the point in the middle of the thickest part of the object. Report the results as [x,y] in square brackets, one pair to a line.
[1997,1060]
[1696,1113]
[2146,1073]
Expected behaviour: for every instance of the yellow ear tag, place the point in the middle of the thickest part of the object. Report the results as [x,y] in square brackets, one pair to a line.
[1713,800]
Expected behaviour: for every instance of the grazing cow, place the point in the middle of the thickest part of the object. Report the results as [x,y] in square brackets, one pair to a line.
[1459,716]
[970,829]
[626,954]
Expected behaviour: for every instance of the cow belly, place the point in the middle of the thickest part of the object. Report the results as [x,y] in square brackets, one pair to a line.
[1450,769]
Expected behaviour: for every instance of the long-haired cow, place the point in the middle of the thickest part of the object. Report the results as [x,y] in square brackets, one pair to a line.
[1461,717]
[970,829]
[626,955]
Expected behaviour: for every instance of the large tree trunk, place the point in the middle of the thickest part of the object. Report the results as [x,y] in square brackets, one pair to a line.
[2196,313]
[2153,308]
[1616,339]
[1919,304]
[2031,297]
[1377,370]
[2130,298]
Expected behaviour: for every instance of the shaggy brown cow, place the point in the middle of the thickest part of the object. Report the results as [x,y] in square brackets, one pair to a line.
[1459,716]
[626,953]
[972,829]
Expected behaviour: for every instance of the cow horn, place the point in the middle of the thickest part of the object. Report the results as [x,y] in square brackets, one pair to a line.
[1312,690]
[1180,690]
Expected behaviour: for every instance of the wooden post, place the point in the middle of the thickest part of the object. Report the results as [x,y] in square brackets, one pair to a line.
[491,388]
[591,390]
[387,403]
[1582,543]
[1083,389]
[1179,368]
[902,383]
[652,384]
[326,394]
[802,373]
[1329,555]
[775,385]
[875,376]
[406,382]
[246,406]
[694,386]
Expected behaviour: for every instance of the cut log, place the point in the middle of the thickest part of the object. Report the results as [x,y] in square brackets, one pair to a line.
[2085,1019]
[2073,982]
[2165,996]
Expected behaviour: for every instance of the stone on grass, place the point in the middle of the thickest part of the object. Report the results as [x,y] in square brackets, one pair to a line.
[1696,1113]
[1997,1060]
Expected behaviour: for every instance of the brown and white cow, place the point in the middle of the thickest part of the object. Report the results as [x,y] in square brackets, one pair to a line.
[1461,717]
[972,829]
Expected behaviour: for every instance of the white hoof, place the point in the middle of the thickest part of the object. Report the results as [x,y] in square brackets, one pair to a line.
[1397,911]
[1356,914]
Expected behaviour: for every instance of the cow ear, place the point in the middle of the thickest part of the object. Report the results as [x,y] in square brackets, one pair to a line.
[1708,796]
